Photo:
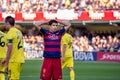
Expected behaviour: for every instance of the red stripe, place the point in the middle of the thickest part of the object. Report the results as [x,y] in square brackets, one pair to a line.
[49,43]
[52,49]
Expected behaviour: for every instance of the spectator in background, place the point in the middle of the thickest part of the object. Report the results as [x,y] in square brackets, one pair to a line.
[99,42]
[116,44]
[54,5]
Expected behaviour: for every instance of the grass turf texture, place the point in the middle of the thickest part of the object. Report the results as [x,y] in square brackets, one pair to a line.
[83,70]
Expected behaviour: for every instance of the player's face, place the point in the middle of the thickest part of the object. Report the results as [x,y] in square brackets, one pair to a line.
[53,27]
[7,25]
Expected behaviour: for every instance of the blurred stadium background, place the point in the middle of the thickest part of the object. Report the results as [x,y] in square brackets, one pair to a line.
[96,34]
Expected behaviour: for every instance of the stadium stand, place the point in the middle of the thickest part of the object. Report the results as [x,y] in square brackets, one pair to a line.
[54,5]
[78,11]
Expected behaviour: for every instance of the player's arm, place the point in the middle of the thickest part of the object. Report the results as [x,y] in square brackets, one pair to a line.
[9,50]
[65,24]
[39,23]
[63,52]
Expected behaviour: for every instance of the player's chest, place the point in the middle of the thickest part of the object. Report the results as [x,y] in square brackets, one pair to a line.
[53,36]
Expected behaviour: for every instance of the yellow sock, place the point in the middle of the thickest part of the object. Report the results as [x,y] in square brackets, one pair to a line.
[72,75]
[2,76]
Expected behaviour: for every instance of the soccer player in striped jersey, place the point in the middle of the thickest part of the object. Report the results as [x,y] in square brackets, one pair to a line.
[67,56]
[51,67]
[3,52]
[15,54]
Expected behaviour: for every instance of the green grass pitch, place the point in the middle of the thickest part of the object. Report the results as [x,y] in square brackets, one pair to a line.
[83,70]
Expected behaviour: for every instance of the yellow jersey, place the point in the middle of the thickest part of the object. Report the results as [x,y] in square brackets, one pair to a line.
[15,38]
[67,39]
[3,42]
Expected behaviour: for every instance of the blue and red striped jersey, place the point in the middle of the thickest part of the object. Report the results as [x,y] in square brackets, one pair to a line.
[52,43]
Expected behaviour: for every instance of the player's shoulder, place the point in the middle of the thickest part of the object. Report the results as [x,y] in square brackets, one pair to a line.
[67,35]
[14,30]
[11,30]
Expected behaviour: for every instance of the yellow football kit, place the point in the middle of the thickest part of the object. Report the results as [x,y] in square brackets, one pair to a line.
[15,38]
[67,39]
[68,56]
[3,42]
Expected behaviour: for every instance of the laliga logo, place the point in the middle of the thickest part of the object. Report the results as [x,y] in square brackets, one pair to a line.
[53,37]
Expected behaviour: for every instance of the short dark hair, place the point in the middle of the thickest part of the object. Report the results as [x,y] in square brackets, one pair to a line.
[10,19]
[70,30]
[52,21]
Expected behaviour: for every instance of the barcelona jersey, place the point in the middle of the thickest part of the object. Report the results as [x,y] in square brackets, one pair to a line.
[52,43]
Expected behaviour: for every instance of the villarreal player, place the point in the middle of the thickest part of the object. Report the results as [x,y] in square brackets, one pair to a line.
[3,42]
[67,56]
[15,53]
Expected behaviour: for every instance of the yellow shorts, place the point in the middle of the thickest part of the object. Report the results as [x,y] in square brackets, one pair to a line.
[2,68]
[68,62]
[14,70]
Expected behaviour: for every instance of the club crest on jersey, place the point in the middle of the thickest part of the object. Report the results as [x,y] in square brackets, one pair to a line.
[53,37]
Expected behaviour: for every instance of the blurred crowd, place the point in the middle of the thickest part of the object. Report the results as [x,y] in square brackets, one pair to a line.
[97,42]
[33,43]
[93,42]
[54,5]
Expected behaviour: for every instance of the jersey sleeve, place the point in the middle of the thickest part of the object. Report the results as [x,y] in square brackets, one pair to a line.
[62,30]
[43,30]
[64,39]
[10,36]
